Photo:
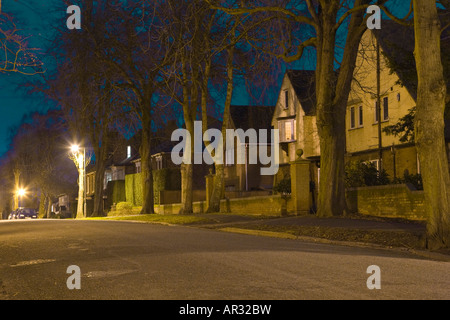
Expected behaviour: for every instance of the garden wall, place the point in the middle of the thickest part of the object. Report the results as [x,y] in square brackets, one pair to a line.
[266,205]
[400,201]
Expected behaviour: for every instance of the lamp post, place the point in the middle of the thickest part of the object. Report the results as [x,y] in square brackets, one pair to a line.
[80,161]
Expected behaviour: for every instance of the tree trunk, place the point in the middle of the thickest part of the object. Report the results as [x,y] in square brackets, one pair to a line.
[49,206]
[331,199]
[429,123]
[80,204]
[42,213]
[99,185]
[146,165]
[186,175]
[219,179]
[332,91]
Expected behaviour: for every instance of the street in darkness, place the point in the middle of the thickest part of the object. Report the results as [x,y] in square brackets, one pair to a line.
[126,260]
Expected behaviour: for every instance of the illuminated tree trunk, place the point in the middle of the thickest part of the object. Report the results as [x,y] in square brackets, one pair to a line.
[429,123]
[80,204]
[332,90]
[186,176]
[16,188]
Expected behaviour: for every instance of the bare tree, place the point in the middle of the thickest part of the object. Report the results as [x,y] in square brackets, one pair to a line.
[322,19]
[16,55]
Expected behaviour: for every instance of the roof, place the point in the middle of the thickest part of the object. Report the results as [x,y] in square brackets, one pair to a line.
[397,44]
[304,84]
[252,117]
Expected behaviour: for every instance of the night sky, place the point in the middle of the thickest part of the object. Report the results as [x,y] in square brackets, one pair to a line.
[37,19]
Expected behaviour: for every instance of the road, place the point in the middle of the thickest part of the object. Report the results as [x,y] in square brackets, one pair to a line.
[125,260]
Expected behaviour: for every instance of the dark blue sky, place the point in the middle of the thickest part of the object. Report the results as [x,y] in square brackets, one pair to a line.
[35,18]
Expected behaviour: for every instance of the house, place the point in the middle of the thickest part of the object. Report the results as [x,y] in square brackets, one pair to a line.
[295,115]
[246,176]
[397,96]
[295,118]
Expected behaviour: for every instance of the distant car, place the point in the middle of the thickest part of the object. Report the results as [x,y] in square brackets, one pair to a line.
[26,213]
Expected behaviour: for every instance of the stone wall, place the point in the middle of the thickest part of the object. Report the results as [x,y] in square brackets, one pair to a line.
[400,201]
[265,205]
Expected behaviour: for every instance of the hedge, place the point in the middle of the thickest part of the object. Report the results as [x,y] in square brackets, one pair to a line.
[164,179]
[115,192]
[133,189]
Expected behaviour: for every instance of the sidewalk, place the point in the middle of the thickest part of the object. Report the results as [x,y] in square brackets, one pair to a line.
[355,230]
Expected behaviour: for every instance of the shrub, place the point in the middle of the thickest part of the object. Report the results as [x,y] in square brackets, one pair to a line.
[414,179]
[124,206]
[362,174]
[283,187]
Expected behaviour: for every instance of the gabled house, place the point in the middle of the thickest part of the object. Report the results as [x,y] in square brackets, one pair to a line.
[397,96]
[295,118]
[295,115]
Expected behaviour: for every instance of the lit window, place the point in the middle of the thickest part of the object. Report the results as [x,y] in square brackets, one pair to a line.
[128,151]
[288,131]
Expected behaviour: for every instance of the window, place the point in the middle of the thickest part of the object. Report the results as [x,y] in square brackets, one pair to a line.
[384,111]
[138,167]
[159,162]
[129,152]
[286,99]
[386,108]
[361,117]
[288,131]
[352,118]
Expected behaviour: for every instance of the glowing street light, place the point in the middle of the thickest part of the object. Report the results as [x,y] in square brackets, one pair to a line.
[20,193]
[75,148]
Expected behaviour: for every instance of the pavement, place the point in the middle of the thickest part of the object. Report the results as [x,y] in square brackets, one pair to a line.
[354,230]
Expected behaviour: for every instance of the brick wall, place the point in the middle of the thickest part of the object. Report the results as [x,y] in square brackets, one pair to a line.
[401,201]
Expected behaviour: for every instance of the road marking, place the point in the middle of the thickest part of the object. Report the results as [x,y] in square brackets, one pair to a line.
[32,262]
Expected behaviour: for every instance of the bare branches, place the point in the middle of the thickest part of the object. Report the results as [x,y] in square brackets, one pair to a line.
[15,54]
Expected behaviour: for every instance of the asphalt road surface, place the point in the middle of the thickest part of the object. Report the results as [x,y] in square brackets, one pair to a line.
[125,260]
